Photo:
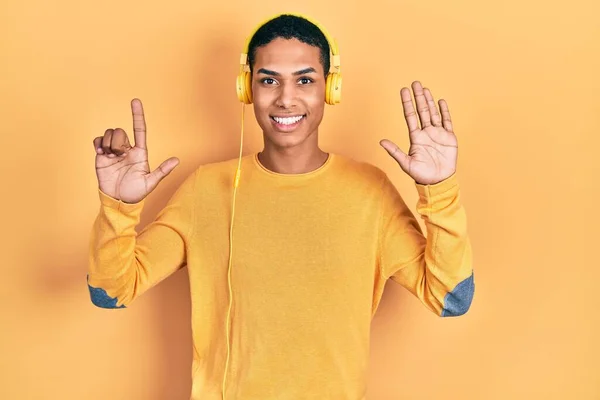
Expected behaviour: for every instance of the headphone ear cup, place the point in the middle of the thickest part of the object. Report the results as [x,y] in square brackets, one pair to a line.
[333,88]
[239,87]
[248,85]
[328,89]
[244,87]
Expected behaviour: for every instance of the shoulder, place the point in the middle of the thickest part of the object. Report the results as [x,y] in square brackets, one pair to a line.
[360,171]
[220,170]
[208,179]
[226,165]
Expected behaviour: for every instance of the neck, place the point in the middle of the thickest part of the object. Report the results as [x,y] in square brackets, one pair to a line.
[292,160]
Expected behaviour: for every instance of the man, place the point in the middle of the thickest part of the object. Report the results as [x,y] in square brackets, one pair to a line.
[285,312]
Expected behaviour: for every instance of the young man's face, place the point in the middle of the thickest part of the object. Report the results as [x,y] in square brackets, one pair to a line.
[288,87]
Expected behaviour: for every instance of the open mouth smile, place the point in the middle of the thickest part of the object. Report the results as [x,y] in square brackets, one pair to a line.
[287,124]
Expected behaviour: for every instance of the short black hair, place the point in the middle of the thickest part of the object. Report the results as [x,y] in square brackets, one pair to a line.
[290,27]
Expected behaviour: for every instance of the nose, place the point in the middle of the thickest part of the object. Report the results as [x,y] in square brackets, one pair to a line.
[287,95]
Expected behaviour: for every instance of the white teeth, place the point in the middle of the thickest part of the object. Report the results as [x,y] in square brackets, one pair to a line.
[288,120]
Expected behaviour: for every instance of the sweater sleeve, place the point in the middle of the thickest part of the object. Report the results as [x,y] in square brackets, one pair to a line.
[437,269]
[124,264]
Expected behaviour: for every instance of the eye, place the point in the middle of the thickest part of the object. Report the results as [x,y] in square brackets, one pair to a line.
[268,81]
[305,80]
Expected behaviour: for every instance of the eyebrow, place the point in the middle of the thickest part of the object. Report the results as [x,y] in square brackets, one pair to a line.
[274,73]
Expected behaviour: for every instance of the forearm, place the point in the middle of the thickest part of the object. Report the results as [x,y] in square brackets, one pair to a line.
[124,264]
[447,279]
[113,265]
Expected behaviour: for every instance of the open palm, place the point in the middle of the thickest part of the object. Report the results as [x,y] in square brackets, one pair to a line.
[433,151]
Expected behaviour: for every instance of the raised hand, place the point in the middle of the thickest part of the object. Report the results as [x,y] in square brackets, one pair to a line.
[123,171]
[433,147]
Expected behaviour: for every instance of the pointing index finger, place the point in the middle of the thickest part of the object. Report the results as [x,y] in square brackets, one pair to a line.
[139,123]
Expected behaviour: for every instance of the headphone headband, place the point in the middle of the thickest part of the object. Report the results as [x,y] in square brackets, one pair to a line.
[335,59]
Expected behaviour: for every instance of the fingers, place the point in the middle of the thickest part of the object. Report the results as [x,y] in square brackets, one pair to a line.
[139,123]
[422,107]
[446,120]
[98,144]
[119,142]
[114,143]
[397,154]
[106,141]
[164,169]
[426,109]
[409,110]
[436,119]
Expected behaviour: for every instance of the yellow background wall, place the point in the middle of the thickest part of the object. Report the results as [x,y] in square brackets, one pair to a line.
[522,82]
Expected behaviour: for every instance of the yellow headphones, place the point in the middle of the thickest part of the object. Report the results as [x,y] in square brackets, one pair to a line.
[333,86]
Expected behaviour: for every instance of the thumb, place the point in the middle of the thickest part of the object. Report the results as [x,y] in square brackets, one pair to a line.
[397,154]
[164,169]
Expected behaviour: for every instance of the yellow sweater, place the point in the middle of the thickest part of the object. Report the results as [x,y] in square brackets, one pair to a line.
[311,255]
